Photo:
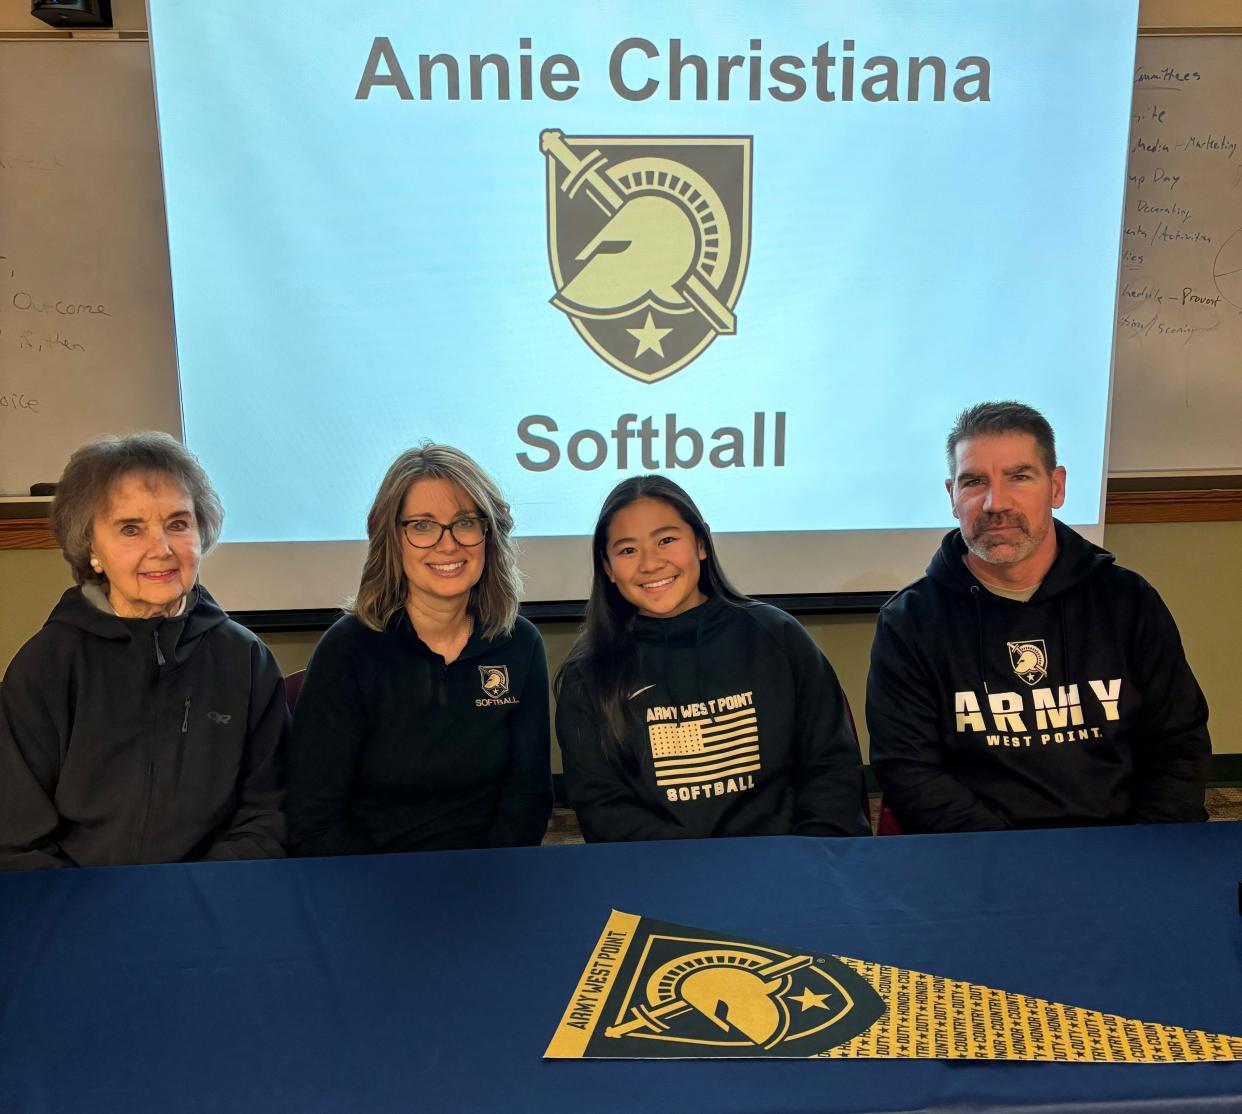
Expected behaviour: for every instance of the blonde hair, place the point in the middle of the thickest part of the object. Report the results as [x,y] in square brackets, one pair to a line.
[382,589]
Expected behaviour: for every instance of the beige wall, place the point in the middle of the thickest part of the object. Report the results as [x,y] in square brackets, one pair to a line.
[1194,566]
[1190,13]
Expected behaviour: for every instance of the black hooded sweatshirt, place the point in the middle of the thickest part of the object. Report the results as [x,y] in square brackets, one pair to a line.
[1074,708]
[140,740]
[737,727]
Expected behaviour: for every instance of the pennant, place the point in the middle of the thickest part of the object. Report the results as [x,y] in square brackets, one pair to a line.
[654,990]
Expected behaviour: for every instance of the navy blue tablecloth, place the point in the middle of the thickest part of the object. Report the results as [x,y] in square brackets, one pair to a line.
[434,982]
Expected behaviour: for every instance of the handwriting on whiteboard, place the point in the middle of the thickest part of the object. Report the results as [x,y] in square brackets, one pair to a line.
[41,334]
[1164,235]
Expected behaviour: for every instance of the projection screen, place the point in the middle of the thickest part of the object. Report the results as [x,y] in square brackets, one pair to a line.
[767,249]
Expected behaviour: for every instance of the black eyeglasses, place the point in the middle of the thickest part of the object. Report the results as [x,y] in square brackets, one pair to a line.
[424,533]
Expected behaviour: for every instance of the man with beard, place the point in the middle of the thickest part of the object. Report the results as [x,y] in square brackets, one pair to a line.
[1028,681]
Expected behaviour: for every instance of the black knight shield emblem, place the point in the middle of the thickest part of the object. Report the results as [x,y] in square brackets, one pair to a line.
[648,239]
[1029,659]
[494,679]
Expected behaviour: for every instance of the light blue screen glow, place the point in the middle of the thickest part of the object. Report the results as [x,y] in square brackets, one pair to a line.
[353,275]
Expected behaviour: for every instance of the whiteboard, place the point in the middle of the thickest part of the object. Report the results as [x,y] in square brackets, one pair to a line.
[86,325]
[86,336]
[1177,389]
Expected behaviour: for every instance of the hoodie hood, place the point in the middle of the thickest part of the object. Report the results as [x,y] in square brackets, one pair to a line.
[175,638]
[677,642]
[690,628]
[1076,560]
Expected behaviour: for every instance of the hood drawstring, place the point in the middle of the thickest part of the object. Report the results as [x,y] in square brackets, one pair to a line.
[974,595]
[698,660]
[679,695]
[680,638]
[1065,645]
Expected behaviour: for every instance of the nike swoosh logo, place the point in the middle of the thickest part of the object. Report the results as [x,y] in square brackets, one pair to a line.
[639,692]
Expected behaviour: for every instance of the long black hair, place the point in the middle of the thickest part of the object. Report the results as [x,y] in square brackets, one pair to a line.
[605,653]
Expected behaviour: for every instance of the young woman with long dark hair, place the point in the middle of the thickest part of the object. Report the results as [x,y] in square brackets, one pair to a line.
[686,709]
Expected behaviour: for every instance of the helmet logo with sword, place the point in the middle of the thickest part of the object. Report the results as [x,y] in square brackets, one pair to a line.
[648,239]
[750,996]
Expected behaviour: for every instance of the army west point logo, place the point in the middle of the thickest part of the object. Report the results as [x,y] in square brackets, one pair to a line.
[1029,660]
[648,238]
[494,679]
[654,990]
[662,990]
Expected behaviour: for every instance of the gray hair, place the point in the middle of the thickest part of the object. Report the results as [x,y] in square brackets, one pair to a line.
[94,470]
[382,590]
[1001,417]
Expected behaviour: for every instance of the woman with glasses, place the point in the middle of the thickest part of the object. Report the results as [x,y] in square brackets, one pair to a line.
[422,723]
[686,709]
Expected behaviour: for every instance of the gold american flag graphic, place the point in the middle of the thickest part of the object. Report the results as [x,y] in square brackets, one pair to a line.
[705,749]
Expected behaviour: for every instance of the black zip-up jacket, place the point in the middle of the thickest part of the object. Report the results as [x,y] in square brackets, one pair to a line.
[140,740]
[1074,708]
[393,750]
[737,727]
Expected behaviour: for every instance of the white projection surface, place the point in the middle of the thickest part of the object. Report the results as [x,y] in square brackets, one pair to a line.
[767,249]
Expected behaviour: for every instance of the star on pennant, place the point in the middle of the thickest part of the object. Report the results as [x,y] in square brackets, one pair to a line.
[649,337]
[809,998]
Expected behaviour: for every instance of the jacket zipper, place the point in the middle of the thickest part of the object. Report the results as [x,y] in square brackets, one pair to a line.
[181,741]
[153,718]
[136,856]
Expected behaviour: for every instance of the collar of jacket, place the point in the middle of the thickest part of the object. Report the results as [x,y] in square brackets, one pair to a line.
[476,644]
[180,633]
[1076,560]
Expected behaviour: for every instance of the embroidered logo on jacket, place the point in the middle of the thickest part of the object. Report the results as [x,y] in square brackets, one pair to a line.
[219,717]
[705,750]
[1029,660]
[494,680]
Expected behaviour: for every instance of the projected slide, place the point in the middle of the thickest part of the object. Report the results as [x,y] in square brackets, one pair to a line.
[768,249]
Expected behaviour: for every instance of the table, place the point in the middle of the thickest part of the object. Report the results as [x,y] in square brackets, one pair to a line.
[434,981]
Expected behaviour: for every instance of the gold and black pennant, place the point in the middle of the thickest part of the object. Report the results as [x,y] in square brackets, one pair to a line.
[657,990]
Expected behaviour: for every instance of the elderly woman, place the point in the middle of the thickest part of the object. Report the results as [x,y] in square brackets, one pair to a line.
[140,725]
[423,720]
